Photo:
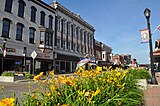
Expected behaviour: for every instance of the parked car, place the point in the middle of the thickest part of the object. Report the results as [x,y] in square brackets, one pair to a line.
[143,66]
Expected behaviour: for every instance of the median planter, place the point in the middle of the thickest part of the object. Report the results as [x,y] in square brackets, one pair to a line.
[142,83]
[11,78]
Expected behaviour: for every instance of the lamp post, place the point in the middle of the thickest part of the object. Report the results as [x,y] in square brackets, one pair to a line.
[4,54]
[24,59]
[147,13]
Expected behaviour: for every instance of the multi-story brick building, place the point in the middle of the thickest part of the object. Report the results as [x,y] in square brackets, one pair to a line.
[58,36]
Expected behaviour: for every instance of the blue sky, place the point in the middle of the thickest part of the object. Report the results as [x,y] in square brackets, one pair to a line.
[117,23]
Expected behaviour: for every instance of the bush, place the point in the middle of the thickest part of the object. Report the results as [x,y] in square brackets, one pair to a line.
[8,73]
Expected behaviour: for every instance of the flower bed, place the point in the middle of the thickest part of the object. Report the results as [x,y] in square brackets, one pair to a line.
[89,88]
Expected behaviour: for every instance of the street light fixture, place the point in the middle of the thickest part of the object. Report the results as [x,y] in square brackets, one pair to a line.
[147,14]
[24,58]
[4,54]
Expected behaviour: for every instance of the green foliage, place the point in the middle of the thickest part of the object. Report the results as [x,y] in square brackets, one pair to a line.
[8,73]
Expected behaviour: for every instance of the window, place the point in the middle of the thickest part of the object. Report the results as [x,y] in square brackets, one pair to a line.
[69,45]
[19,31]
[33,14]
[64,26]
[74,47]
[79,33]
[31,35]
[74,31]
[64,44]
[6,27]
[8,5]
[42,21]
[50,22]
[49,39]
[58,24]
[69,28]
[21,8]
[78,48]
[58,42]
[42,34]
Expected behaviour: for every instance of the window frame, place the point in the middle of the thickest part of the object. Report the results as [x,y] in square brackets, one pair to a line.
[42,18]
[8,6]
[6,25]
[20,29]
[33,14]
[21,8]
[31,41]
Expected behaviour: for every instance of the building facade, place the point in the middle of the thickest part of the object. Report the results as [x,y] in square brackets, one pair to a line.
[156,54]
[106,54]
[27,25]
[73,38]
[59,37]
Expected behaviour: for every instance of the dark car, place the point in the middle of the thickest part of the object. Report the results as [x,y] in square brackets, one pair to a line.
[143,66]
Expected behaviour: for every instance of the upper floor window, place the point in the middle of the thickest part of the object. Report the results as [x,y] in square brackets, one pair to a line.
[21,8]
[50,22]
[31,35]
[64,26]
[8,5]
[58,42]
[58,24]
[74,31]
[74,46]
[42,35]
[19,31]
[48,39]
[6,27]
[69,28]
[69,45]
[33,14]
[64,44]
[78,32]
[42,21]
[78,48]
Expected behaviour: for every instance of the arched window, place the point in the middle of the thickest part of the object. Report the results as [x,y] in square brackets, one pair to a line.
[8,5]
[33,14]
[31,35]
[19,31]
[6,27]
[50,22]
[42,21]
[21,8]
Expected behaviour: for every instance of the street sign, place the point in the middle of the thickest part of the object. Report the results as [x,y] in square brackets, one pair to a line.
[34,54]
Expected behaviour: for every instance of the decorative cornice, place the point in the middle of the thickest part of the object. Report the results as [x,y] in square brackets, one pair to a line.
[74,16]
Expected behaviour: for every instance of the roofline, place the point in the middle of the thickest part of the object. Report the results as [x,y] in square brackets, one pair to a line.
[75,16]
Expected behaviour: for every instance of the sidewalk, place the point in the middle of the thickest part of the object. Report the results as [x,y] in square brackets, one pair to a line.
[152,94]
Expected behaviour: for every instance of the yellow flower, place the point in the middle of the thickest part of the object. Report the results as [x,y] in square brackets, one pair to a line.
[115,79]
[69,81]
[118,74]
[34,96]
[122,88]
[52,87]
[52,72]
[7,102]
[41,73]
[97,92]
[36,78]
[55,80]
[58,93]
[48,93]
[81,92]
[44,82]
[86,94]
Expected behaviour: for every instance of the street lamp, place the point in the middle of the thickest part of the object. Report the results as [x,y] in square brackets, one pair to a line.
[147,14]
[4,54]
[24,58]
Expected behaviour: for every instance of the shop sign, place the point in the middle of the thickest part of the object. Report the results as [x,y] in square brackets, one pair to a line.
[10,49]
[42,55]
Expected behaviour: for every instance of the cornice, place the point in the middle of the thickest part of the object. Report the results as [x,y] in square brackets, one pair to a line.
[74,16]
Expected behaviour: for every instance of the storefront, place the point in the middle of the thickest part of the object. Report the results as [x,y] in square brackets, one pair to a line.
[64,64]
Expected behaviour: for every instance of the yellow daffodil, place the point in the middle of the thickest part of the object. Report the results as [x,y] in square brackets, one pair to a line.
[118,74]
[48,93]
[41,73]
